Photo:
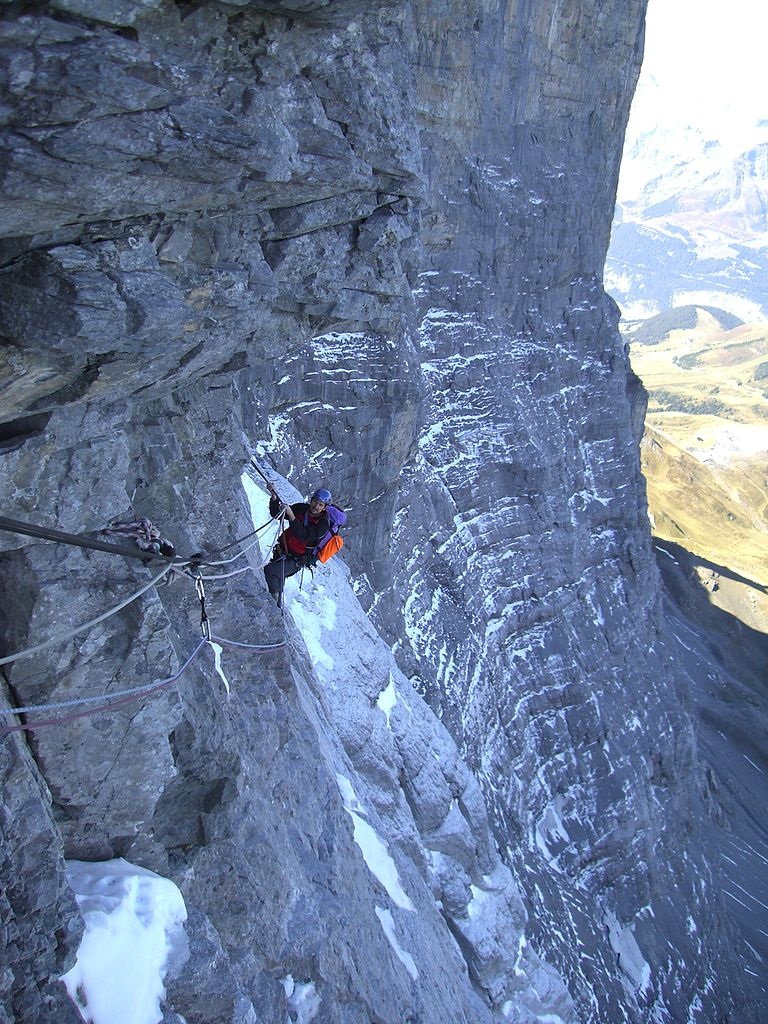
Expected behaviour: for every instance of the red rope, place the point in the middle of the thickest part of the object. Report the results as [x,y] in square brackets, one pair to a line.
[30,726]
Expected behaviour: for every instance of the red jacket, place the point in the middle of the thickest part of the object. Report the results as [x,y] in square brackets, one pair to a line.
[304,533]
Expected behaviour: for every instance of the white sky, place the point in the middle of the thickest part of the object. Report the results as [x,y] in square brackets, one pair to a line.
[708,59]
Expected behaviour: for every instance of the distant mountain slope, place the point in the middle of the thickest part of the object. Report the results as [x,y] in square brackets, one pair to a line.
[691,222]
[656,328]
[718,514]
[705,447]
[650,268]
[692,365]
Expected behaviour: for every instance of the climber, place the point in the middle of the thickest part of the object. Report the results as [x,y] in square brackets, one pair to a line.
[296,549]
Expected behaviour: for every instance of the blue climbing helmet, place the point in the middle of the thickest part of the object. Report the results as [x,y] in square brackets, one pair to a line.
[322,494]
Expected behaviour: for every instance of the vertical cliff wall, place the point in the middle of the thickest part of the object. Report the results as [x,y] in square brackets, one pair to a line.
[528,588]
[366,245]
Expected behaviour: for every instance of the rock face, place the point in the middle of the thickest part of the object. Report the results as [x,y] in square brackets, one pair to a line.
[367,245]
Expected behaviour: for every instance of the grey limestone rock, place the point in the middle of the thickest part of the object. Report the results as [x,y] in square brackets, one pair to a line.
[38,911]
[364,243]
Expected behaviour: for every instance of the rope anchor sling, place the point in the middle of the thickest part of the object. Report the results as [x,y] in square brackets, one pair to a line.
[205,625]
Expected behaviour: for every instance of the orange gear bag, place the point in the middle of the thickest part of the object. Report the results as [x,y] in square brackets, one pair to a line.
[331,547]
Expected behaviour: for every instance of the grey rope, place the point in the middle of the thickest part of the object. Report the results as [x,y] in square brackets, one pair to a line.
[95,699]
[249,647]
[234,558]
[278,532]
[136,690]
[75,631]
[64,637]
[123,695]
[227,561]
[229,575]
[247,568]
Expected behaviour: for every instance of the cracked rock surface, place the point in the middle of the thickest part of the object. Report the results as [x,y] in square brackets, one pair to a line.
[365,244]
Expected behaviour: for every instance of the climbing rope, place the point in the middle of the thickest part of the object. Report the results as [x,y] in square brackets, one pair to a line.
[178,565]
[174,564]
[220,551]
[249,647]
[76,630]
[133,692]
[228,561]
[108,701]
[208,561]
[227,575]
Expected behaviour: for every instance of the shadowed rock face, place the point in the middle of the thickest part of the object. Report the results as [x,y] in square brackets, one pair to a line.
[368,244]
